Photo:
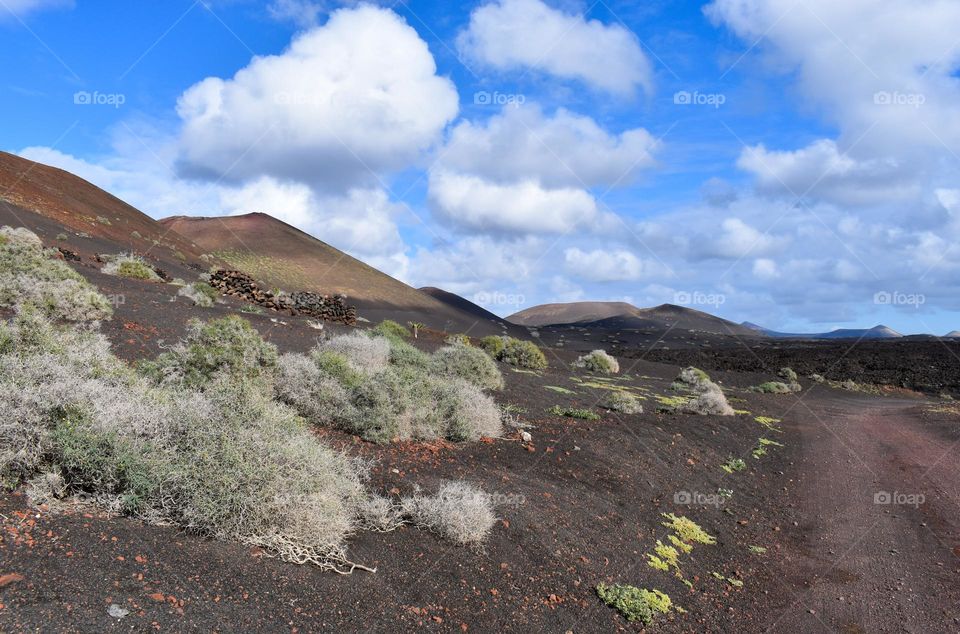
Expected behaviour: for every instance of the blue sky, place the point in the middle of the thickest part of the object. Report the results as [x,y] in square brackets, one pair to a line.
[788,163]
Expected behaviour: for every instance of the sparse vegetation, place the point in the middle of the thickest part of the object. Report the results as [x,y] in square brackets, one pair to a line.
[458,511]
[458,340]
[384,389]
[769,423]
[131,266]
[516,352]
[623,402]
[227,346]
[789,385]
[572,412]
[693,376]
[493,345]
[31,276]
[635,604]
[761,449]
[772,387]
[227,462]
[416,327]
[365,354]
[468,363]
[390,328]
[708,399]
[599,362]
[200,293]
[732,465]
[405,355]
[687,530]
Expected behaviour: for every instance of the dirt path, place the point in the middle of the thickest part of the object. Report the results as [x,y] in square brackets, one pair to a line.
[878,511]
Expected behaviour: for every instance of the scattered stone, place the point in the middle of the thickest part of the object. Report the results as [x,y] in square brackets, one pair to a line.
[117,611]
[328,308]
[7,579]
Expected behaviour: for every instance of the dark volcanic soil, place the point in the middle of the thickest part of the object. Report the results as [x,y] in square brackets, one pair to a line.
[586,499]
[925,365]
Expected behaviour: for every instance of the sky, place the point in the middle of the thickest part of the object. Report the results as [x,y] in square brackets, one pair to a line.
[792,163]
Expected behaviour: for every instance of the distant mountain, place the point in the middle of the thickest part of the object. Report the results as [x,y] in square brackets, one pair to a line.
[623,316]
[877,332]
[570,313]
[953,334]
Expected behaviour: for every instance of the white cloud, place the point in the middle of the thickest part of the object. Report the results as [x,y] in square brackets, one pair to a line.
[765,269]
[522,34]
[736,240]
[566,149]
[360,222]
[473,203]
[820,170]
[867,63]
[345,102]
[300,12]
[610,265]
[20,8]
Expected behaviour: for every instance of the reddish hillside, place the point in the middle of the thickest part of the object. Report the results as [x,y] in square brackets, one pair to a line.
[623,316]
[282,256]
[85,209]
[570,313]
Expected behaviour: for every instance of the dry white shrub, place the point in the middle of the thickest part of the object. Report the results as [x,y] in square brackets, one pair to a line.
[197,297]
[599,362]
[467,412]
[380,514]
[31,276]
[132,266]
[693,376]
[315,394]
[458,511]
[227,462]
[623,402]
[365,354]
[710,400]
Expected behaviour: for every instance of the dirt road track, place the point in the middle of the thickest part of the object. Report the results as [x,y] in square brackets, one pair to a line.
[878,502]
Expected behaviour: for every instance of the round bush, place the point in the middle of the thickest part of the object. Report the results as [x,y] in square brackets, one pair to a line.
[468,363]
[623,402]
[390,328]
[466,412]
[523,354]
[598,362]
[493,345]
